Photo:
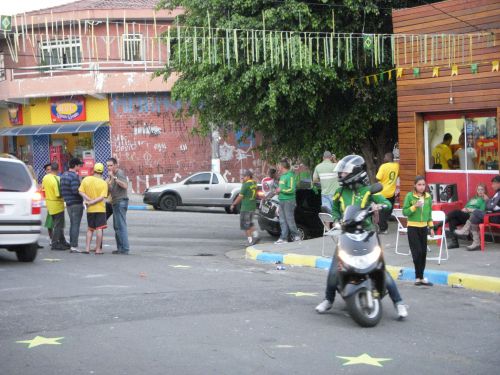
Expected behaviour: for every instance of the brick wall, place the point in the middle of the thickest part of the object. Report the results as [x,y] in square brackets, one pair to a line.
[153,146]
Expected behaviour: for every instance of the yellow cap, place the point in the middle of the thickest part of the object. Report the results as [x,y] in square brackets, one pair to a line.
[98,168]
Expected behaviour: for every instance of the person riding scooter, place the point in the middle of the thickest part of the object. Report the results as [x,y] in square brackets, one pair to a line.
[355,190]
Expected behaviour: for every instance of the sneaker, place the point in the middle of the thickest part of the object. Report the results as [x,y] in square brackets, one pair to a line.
[74,250]
[297,239]
[383,232]
[255,241]
[324,306]
[402,310]
[280,241]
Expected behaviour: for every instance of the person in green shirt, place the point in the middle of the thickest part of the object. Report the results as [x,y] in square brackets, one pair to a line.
[457,218]
[247,196]
[324,173]
[286,191]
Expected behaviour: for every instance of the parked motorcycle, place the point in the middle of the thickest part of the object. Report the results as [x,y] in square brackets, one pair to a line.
[360,266]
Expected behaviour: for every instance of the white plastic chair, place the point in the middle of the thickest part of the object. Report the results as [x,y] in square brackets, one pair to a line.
[439,216]
[326,220]
[402,229]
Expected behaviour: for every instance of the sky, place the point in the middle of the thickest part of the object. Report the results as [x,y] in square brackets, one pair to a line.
[9,7]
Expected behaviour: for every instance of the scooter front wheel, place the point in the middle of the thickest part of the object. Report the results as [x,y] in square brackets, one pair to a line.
[361,312]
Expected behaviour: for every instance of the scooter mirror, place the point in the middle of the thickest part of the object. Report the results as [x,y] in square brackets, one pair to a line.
[376,188]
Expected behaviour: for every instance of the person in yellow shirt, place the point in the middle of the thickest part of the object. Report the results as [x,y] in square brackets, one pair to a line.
[55,207]
[387,175]
[442,155]
[94,191]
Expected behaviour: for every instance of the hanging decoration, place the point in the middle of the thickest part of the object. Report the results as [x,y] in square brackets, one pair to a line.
[175,44]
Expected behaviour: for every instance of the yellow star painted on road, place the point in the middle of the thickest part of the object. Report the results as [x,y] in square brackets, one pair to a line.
[302,294]
[40,340]
[364,359]
[180,266]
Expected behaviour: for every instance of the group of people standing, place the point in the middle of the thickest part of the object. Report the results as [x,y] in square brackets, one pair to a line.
[93,194]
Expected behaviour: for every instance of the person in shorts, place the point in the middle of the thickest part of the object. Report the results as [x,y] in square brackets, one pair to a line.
[94,191]
[247,196]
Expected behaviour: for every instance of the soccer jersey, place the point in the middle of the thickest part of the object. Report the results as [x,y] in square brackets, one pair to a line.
[53,200]
[441,155]
[95,187]
[325,172]
[387,175]
[248,192]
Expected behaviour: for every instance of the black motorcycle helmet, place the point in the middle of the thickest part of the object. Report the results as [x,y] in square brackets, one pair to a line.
[355,166]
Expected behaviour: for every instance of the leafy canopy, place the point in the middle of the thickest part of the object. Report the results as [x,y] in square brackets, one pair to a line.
[299,110]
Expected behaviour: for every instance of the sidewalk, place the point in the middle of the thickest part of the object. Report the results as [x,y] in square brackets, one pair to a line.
[475,270]
[135,203]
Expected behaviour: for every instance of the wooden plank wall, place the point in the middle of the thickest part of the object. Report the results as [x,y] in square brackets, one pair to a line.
[426,94]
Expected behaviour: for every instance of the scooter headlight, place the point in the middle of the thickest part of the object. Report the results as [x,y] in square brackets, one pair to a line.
[360,261]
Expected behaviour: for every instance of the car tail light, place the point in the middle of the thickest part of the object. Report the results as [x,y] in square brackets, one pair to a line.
[36,203]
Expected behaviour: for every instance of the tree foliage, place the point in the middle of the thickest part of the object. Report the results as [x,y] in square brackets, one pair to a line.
[299,111]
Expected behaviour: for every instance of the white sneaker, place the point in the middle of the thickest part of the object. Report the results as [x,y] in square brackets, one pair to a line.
[297,239]
[324,306]
[402,310]
[280,241]
[74,250]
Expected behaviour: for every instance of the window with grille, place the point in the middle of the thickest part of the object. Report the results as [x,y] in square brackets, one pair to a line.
[132,47]
[61,53]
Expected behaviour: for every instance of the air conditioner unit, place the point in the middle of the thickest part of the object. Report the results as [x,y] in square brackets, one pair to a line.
[448,193]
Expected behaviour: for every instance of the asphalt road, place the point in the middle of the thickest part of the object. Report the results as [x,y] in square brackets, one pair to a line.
[186,302]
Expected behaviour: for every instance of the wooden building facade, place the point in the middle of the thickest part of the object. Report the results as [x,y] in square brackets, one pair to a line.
[448,82]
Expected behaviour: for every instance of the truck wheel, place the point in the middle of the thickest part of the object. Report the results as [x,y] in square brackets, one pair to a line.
[27,253]
[360,312]
[168,203]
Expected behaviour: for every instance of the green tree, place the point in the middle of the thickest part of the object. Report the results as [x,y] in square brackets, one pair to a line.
[299,110]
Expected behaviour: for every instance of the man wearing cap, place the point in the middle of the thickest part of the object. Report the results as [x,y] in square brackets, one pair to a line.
[94,191]
[248,205]
[324,173]
[70,183]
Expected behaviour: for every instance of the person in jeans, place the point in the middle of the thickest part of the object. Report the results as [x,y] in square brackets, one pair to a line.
[324,173]
[355,190]
[248,204]
[117,185]
[286,191]
[70,183]
[55,207]
[387,175]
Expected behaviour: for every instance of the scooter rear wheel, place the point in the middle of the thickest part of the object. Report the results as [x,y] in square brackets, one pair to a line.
[361,313]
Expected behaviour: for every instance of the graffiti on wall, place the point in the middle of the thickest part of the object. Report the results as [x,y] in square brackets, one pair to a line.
[154,143]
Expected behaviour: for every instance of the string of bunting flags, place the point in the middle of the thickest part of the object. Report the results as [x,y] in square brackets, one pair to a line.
[233,47]
[388,75]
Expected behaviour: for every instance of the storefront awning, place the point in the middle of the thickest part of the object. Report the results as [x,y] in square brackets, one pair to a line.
[76,127]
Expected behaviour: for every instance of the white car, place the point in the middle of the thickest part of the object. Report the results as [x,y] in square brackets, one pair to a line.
[20,208]
[207,189]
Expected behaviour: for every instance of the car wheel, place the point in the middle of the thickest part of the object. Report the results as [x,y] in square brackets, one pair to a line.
[168,203]
[303,232]
[27,253]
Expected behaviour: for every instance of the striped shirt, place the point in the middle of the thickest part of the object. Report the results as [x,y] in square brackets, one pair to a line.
[327,176]
[69,188]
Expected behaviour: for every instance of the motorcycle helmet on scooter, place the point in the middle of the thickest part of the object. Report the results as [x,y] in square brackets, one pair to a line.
[355,167]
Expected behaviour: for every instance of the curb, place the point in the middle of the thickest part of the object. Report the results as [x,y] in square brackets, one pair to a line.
[453,279]
[140,207]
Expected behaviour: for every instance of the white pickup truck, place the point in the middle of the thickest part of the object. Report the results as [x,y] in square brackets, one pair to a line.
[209,189]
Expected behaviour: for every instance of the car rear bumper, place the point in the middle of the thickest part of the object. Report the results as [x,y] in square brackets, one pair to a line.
[15,232]
[151,198]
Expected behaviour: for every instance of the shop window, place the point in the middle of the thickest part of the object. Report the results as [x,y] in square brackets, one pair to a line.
[61,53]
[132,47]
[465,143]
